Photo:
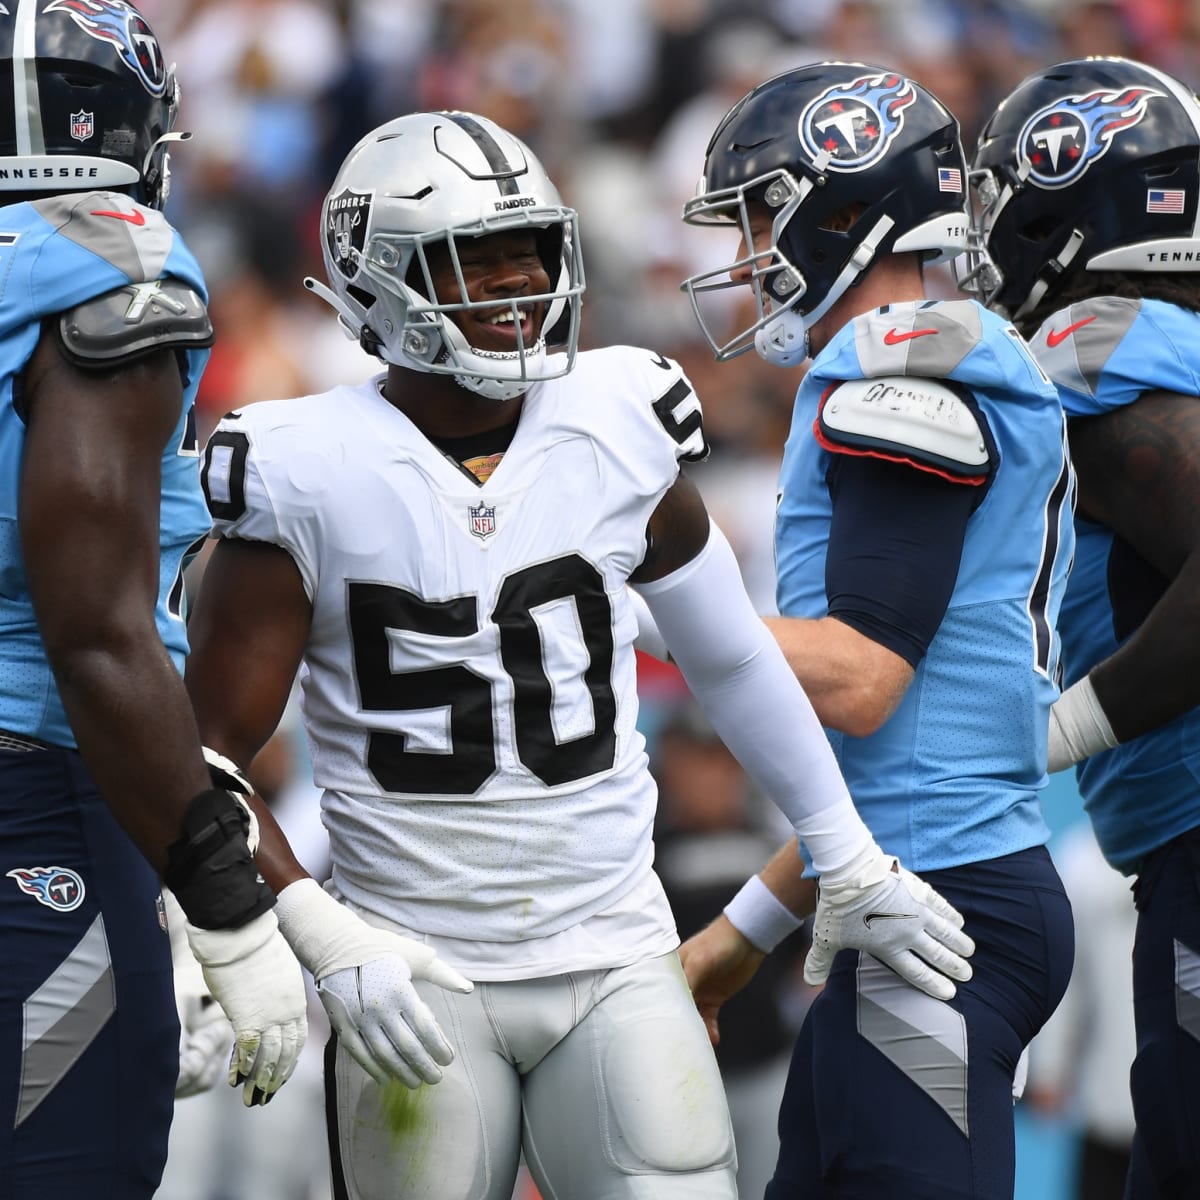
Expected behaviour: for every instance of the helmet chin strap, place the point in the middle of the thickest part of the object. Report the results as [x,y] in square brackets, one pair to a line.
[784,341]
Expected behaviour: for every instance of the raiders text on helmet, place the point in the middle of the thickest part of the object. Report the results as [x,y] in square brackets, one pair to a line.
[90,103]
[853,162]
[1091,165]
[434,179]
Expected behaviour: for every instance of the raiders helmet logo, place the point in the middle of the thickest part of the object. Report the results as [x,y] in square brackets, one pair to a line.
[1062,140]
[853,124]
[347,216]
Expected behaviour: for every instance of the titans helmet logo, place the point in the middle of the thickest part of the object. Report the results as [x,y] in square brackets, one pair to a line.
[122,26]
[1062,140]
[59,888]
[854,123]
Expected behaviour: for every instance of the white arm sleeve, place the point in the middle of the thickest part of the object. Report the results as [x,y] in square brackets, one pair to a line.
[743,683]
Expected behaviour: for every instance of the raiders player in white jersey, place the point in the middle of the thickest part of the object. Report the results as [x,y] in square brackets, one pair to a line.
[443,554]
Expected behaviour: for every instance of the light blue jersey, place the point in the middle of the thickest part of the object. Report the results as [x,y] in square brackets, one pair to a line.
[54,254]
[1103,354]
[953,776]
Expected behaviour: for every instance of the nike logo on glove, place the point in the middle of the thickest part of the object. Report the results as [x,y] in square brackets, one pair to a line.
[894,337]
[884,916]
[134,218]
[1053,336]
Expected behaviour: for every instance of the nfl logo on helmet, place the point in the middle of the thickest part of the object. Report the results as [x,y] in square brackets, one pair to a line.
[83,125]
[483,520]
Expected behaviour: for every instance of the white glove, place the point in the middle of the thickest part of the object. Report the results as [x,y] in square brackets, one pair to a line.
[1078,727]
[874,904]
[364,978]
[257,981]
[205,1035]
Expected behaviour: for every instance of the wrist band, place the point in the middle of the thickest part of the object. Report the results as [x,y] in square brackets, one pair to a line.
[757,914]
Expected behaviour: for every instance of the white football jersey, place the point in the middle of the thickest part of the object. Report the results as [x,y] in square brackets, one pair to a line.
[469,684]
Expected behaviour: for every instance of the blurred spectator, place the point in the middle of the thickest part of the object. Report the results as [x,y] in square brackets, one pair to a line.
[712,832]
[1079,1062]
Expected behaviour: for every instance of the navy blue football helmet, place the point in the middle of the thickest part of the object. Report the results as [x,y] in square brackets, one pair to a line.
[1089,165]
[86,100]
[853,162]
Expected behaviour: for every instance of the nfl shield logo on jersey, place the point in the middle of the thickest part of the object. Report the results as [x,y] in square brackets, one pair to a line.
[483,520]
[83,125]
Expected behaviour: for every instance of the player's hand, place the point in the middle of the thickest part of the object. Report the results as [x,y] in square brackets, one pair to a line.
[205,1035]
[206,1039]
[718,962]
[874,904]
[257,981]
[365,979]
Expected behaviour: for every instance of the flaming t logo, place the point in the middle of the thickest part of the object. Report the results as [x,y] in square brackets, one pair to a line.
[855,122]
[1062,140]
[116,22]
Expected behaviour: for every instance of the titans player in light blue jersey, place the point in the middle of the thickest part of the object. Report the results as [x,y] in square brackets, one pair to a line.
[923,539]
[1088,178]
[104,788]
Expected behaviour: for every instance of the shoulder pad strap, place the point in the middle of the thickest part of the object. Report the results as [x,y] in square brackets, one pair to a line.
[135,319]
[925,422]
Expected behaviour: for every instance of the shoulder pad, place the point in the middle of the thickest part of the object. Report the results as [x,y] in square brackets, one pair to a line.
[136,319]
[1074,345]
[925,422]
[927,338]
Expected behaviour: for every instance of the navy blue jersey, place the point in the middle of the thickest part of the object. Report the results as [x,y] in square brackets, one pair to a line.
[954,775]
[54,254]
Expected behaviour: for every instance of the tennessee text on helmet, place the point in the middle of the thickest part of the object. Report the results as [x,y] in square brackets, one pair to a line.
[431,180]
[1092,164]
[91,102]
[851,162]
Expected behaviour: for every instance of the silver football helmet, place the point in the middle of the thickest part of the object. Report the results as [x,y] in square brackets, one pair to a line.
[432,179]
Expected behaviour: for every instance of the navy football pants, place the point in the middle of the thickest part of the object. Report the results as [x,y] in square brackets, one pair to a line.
[894,1094]
[1165,1079]
[89,1038]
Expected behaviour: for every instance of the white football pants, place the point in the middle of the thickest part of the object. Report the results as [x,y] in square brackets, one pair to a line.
[605,1078]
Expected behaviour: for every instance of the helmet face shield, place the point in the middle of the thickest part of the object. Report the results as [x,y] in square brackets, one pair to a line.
[974,272]
[775,283]
[411,197]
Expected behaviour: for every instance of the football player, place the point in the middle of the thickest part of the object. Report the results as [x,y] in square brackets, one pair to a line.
[922,540]
[1088,183]
[443,553]
[104,790]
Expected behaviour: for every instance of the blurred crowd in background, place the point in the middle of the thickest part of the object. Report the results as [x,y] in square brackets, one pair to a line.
[618,99]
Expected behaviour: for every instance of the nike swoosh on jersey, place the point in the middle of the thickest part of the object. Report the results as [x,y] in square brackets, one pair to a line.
[659,361]
[1054,336]
[882,916]
[894,337]
[134,218]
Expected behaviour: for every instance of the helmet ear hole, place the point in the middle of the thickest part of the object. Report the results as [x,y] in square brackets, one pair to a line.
[1039,230]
